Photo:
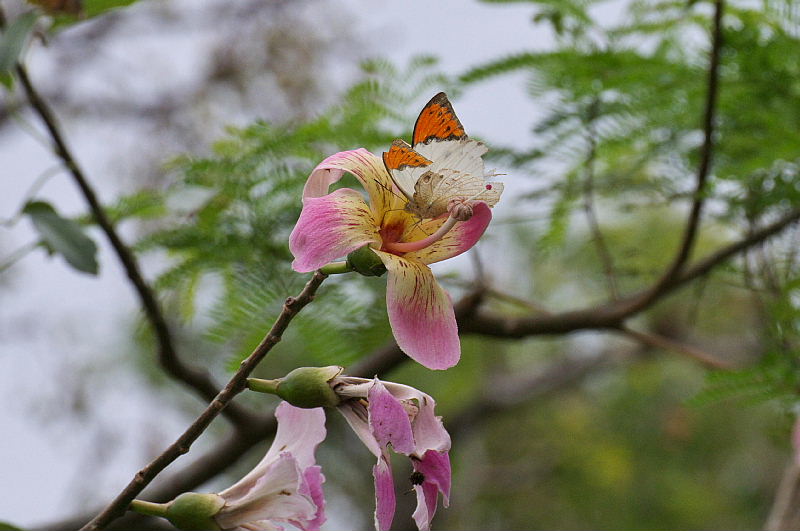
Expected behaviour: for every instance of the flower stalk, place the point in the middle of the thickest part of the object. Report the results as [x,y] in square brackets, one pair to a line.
[149,508]
[336,268]
[263,386]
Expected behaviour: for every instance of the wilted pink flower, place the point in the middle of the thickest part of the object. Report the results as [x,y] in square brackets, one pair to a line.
[286,486]
[384,413]
[333,225]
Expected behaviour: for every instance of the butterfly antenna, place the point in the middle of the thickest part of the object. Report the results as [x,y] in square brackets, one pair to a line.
[487,188]
[390,190]
[418,224]
[492,173]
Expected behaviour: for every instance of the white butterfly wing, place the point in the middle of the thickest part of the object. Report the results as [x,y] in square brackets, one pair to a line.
[456,185]
[406,179]
[463,155]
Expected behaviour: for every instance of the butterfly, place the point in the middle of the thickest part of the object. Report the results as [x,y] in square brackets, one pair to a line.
[442,169]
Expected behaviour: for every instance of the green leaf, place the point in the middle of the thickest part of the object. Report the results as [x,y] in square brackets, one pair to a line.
[91,8]
[6,80]
[13,39]
[5,526]
[63,236]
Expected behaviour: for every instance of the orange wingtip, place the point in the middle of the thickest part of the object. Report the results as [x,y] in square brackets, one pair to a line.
[438,121]
[401,155]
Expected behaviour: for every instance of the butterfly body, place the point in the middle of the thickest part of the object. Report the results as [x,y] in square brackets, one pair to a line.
[443,168]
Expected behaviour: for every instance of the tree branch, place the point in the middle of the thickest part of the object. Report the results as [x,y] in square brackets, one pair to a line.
[470,321]
[612,315]
[235,386]
[244,438]
[666,343]
[706,154]
[503,393]
[609,316]
[195,379]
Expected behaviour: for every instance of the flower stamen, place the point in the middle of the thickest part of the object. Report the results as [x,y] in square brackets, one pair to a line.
[408,247]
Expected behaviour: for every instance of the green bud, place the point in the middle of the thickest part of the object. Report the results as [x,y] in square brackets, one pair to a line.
[309,387]
[193,511]
[366,262]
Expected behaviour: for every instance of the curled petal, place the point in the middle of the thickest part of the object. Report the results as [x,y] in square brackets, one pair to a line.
[312,488]
[370,170]
[429,432]
[273,496]
[426,505]
[435,466]
[459,239]
[421,313]
[388,420]
[320,181]
[299,433]
[355,413]
[385,501]
[330,227]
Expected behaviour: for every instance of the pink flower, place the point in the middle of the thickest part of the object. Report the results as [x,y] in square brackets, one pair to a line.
[333,225]
[286,486]
[384,413]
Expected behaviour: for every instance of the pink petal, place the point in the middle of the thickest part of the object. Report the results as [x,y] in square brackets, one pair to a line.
[426,505]
[330,227]
[385,502]
[299,433]
[421,313]
[388,420]
[320,181]
[461,238]
[370,170]
[429,432]
[274,495]
[313,489]
[435,466]
[356,416]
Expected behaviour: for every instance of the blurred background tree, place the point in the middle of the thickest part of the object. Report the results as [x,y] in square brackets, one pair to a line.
[607,379]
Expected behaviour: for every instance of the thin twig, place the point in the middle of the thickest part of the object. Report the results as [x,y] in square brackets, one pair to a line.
[588,204]
[490,292]
[659,341]
[17,254]
[706,155]
[235,386]
[501,394]
[784,516]
[30,193]
[196,379]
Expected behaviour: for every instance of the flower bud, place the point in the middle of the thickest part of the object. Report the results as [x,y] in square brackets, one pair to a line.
[366,262]
[309,387]
[194,511]
[460,210]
